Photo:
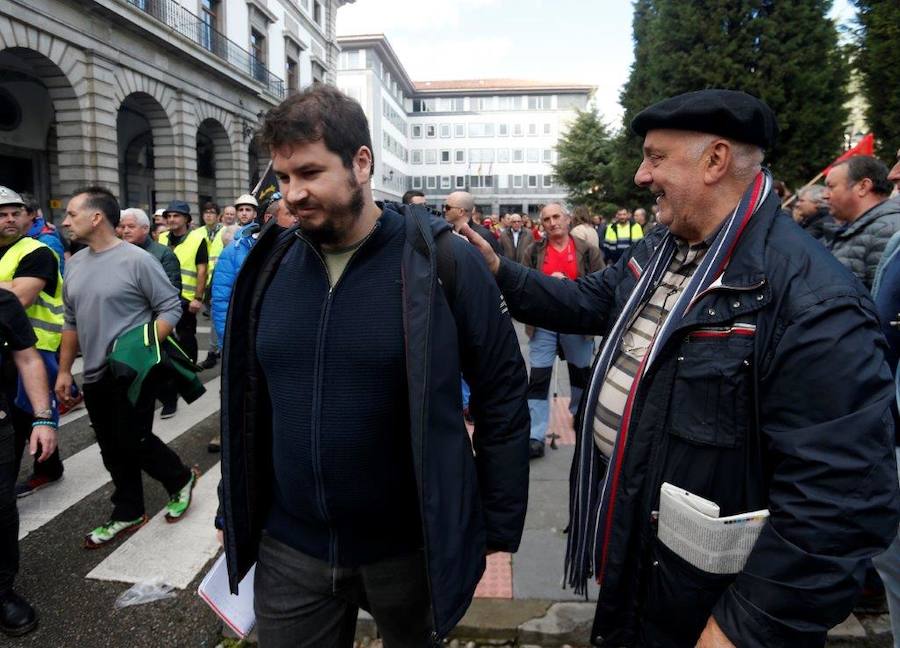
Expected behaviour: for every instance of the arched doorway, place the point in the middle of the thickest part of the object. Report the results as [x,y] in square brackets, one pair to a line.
[141,123]
[32,89]
[214,163]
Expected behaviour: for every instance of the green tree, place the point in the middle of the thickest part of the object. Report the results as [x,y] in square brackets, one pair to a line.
[784,51]
[585,153]
[876,59]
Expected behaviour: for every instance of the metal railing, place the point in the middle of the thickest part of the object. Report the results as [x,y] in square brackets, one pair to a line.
[191,26]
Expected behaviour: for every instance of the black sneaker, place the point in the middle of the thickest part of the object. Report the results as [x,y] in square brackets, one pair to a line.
[168,410]
[17,617]
[212,359]
[34,484]
[535,449]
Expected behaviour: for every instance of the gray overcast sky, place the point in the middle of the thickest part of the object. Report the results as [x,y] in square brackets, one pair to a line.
[584,41]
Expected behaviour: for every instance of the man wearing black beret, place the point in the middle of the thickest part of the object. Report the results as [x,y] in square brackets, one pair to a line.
[734,467]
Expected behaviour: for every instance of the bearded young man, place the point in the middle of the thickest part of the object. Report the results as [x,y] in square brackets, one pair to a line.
[347,472]
[741,363]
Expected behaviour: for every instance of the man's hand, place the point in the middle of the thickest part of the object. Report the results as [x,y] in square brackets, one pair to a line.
[44,436]
[63,387]
[220,536]
[713,637]
[559,275]
[490,257]
[195,306]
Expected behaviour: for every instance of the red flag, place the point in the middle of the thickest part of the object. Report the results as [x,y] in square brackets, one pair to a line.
[865,146]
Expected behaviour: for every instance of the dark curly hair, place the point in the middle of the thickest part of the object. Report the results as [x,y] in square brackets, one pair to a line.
[321,112]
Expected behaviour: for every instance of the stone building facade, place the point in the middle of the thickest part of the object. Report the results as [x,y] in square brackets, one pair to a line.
[155,99]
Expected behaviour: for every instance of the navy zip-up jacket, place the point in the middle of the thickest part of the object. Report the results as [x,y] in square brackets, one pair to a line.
[472,494]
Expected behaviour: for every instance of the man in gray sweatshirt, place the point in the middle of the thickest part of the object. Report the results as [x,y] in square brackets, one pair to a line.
[111,287]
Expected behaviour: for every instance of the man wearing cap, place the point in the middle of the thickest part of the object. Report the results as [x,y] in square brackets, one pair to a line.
[30,270]
[717,377]
[193,254]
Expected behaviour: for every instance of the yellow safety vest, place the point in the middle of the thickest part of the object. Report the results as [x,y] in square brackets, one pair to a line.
[46,313]
[215,249]
[622,235]
[186,251]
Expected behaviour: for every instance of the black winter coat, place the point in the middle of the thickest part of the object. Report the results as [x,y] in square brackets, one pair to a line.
[473,495]
[773,393]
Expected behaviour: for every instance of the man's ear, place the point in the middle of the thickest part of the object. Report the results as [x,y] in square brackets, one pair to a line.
[717,161]
[864,187]
[363,165]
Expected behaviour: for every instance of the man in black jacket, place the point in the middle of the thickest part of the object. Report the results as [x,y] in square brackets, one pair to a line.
[459,209]
[347,472]
[720,376]
[135,225]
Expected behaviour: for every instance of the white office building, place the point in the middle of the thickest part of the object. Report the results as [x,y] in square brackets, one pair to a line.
[495,138]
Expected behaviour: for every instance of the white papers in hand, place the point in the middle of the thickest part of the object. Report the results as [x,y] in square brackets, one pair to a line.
[236,611]
[691,527]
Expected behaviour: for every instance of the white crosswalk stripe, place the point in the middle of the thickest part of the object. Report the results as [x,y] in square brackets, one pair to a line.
[84,471]
[174,553]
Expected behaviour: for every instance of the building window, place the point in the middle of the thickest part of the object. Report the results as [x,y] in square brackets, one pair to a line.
[517,130]
[319,14]
[417,182]
[258,58]
[431,182]
[417,131]
[487,181]
[459,156]
[475,182]
[446,182]
[532,129]
[460,182]
[547,129]
[503,130]
[532,182]
[429,130]
[445,130]
[417,156]
[518,155]
[459,130]
[533,155]
[430,156]
[537,103]
[445,156]
[503,155]
[292,75]
[318,73]
[546,155]
[210,24]
[517,182]
[548,181]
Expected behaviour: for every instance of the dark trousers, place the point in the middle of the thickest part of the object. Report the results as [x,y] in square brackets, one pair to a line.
[302,602]
[9,515]
[128,445]
[52,466]
[186,333]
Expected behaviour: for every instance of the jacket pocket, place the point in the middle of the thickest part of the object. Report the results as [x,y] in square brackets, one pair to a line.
[679,598]
[711,396]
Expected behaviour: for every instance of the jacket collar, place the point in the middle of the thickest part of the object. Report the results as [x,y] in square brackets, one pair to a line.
[863,221]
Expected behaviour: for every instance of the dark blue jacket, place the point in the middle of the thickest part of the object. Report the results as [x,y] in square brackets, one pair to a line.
[789,411]
[473,495]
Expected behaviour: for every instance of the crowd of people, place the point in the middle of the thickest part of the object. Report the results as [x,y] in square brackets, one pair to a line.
[712,346]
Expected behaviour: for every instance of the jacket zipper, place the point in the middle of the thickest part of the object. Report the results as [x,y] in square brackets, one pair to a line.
[317,386]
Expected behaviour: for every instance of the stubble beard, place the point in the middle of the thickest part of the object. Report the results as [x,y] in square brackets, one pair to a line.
[339,220]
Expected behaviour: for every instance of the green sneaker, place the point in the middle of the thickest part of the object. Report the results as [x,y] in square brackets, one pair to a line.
[180,501]
[112,530]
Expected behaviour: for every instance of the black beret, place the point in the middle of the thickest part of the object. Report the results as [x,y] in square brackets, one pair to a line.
[729,113]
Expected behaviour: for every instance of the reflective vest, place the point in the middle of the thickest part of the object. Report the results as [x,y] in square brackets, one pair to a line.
[186,251]
[620,236]
[215,249]
[46,313]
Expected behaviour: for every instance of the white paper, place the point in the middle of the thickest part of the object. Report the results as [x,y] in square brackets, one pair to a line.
[236,611]
[691,527]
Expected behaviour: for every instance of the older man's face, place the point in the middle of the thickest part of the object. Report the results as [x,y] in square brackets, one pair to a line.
[673,175]
[804,207]
[131,231]
[515,222]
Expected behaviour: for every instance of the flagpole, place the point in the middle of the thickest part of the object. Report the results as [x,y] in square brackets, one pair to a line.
[787,203]
[262,178]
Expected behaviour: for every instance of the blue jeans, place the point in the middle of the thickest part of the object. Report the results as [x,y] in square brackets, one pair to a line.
[578,350]
[888,566]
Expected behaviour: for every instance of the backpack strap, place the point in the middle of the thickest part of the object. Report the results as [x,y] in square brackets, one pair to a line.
[418,232]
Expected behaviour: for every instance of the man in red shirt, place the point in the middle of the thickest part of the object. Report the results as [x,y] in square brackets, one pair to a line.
[567,258]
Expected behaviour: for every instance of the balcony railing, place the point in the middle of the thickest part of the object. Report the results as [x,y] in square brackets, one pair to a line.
[206,36]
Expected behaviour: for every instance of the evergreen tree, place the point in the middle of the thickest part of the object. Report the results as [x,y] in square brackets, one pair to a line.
[785,52]
[585,153]
[876,60]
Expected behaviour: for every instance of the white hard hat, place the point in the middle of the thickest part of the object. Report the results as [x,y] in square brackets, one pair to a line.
[246,199]
[10,197]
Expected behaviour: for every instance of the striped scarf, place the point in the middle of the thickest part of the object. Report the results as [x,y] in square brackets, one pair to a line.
[592,502]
